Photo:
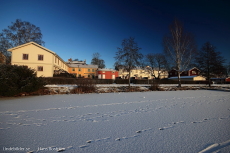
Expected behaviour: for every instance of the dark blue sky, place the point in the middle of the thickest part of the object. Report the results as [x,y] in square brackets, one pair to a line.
[79,28]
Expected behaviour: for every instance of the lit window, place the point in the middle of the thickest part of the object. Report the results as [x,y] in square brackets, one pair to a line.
[40,68]
[193,72]
[25,56]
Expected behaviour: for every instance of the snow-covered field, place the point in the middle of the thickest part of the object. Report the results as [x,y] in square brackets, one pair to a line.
[136,122]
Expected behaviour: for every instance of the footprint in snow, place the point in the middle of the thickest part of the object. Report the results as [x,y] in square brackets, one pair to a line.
[117,139]
[83,146]
[61,150]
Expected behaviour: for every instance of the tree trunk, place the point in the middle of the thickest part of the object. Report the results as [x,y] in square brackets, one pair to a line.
[129,79]
[179,81]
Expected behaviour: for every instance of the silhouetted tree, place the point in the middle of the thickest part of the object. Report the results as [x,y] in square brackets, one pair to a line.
[18,33]
[210,62]
[179,47]
[156,62]
[128,56]
[97,61]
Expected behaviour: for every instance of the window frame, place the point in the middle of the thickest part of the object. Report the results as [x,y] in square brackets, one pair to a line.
[40,68]
[25,56]
[40,55]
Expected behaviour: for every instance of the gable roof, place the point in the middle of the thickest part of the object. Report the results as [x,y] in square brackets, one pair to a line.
[37,45]
[31,43]
[189,69]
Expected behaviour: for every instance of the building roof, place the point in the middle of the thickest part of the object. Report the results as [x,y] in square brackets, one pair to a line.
[81,65]
[106,70]
[35,44]
[189,69]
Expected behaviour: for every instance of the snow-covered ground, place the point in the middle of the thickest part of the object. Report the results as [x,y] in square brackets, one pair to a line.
[163,121]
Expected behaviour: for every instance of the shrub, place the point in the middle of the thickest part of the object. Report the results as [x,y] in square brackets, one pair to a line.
[85,86]
[155,85]
[60,80]
[17,79]
[122,81]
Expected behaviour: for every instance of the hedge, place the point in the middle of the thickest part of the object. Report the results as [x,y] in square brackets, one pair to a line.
[18,79]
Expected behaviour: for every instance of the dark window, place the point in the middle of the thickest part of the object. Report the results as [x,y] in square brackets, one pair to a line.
[40,57]
[40,68]
[25,56]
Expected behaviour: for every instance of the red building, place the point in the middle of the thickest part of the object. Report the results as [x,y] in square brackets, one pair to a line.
[107,74]
[190,72]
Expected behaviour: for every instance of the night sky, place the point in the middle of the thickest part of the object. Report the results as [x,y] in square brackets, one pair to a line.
[79,28]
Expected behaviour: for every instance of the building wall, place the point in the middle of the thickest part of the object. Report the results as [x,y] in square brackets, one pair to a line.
[107,74]
[83,72]
[141,73]
[33,50]
[191,72]
[199,78]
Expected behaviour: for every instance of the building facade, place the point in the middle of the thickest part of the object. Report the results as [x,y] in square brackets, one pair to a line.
[82,70]
[190,72]
[141,74]
[107,74]
[32,55]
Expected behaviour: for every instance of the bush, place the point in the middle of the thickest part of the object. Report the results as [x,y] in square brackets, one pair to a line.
[104,81]
[122,81]
[154,85]
[60,80]
[18,79]
[85,86]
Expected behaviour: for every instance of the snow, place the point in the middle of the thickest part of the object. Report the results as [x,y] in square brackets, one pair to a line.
[162,121]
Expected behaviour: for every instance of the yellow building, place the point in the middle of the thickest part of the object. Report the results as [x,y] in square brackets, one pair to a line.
[141,73]
[37,57]
[81,69]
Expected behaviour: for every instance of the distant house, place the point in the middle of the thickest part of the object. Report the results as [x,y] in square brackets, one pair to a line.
[190,72]
[139,73]
[227,80]
[107,74]
[82,70]
[35,56]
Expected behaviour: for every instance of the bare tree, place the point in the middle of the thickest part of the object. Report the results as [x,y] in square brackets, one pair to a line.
[97,61]
[128,56]
[156,62]
[20,32]
[180,47]
[210,62]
